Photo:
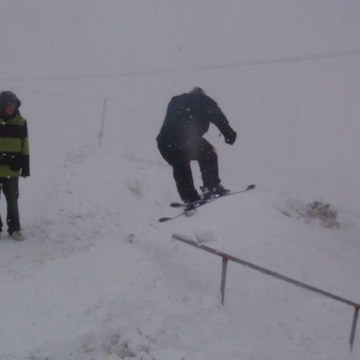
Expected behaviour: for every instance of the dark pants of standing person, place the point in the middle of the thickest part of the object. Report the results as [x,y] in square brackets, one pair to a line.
[180,160]
[10,188]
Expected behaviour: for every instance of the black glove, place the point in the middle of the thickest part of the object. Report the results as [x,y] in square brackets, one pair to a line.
[25,168]
[24,173]
[230,136]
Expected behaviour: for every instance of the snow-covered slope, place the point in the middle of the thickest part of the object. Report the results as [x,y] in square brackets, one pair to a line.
[98,277]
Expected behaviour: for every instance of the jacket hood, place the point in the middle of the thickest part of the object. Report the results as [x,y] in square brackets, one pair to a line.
[8,97]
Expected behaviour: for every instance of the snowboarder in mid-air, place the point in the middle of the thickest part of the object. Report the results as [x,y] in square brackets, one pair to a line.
[180,140]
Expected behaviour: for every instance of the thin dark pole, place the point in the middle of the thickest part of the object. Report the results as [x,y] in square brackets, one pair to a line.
[102,126]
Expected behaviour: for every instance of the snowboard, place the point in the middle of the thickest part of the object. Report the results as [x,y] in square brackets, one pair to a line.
[188,209]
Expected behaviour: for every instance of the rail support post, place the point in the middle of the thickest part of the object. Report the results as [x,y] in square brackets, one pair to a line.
[353,327]
[223,279]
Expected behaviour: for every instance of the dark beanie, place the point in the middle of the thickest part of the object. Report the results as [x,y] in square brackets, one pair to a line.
[197,90]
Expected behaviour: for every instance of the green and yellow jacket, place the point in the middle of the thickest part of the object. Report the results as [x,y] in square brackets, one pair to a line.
[14,147]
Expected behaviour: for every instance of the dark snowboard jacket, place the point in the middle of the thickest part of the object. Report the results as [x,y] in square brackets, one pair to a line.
[187,119]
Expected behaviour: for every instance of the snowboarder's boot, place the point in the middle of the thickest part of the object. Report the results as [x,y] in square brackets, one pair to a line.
[215,191]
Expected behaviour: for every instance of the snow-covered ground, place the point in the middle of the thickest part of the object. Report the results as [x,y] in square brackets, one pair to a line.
[98,277]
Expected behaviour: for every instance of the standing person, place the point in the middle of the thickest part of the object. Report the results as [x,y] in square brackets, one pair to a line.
[180,140]
[14,158]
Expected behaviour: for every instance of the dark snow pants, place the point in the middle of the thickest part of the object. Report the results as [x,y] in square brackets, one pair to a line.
[10,188]
[180,157]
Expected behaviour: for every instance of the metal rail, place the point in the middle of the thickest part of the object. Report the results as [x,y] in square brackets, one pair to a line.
[226,257]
